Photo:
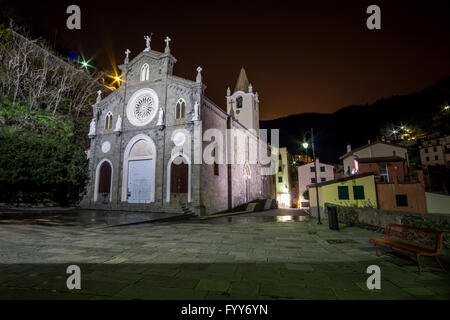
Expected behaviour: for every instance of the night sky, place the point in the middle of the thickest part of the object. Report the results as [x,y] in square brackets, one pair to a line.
[301,56]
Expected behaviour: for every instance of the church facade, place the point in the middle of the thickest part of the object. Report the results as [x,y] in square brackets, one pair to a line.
[149,138]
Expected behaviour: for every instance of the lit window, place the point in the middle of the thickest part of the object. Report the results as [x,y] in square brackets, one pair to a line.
[145,72]
[108,121]
[180,109]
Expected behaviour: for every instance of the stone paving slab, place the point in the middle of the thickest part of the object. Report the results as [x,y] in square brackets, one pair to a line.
[198,260]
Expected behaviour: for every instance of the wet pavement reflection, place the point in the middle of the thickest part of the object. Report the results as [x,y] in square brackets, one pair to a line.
[251,219]
[100,218]
[77,217]
[277,215]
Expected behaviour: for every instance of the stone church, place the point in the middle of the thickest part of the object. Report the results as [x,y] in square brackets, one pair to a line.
[145,135]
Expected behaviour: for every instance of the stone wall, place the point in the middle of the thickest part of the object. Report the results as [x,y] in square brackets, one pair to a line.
[377,219]
[214,188]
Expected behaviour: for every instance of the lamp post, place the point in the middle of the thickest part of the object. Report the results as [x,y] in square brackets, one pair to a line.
[305,145]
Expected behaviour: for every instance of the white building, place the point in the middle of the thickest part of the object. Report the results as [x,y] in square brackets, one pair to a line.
[435,151]
[306,176]
[371,150]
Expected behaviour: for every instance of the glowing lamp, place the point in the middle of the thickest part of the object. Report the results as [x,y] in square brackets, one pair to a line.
[305,145]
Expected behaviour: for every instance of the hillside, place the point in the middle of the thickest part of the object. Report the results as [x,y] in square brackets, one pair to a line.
[45,110]
[356,124]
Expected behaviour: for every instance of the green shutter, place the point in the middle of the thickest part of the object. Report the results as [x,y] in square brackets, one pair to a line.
[343,193]
[358,192]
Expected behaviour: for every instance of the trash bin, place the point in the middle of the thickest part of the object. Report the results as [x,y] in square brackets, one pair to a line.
[332,218]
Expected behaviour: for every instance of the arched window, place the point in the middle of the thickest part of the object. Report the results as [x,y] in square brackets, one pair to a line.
[145,72]
[180,112]
[108,121]
[103,181]
[239,102]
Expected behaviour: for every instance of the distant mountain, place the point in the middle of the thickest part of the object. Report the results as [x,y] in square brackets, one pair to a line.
[356,124]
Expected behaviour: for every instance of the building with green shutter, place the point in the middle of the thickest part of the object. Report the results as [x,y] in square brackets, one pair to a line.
[356,190]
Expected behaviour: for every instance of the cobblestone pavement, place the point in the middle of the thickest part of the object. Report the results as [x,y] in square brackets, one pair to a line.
[201,260]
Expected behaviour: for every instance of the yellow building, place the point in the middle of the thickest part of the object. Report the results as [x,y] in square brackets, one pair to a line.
[283,182]
[357,190]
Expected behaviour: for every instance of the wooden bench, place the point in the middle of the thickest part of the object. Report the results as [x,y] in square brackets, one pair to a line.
[418,241]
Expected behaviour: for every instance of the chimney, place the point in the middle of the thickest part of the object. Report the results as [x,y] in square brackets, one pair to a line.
[349,147]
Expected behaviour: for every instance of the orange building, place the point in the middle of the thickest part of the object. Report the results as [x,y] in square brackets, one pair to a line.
[408,197]
[396,190]
[387,169]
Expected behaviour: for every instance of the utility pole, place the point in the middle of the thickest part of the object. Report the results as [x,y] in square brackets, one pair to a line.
[315,174]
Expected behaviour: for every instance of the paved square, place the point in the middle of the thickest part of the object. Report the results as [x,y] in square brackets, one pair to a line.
[202,259]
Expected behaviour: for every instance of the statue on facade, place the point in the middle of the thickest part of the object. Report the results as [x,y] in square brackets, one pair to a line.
[160,118]
[196,115]
[147,42]
[92,128]
[118,127]
[99,96]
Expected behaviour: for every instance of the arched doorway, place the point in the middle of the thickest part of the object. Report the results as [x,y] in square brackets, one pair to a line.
[104,180]
[138,184]
[179,180]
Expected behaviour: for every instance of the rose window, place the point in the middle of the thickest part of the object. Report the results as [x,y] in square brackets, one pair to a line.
[144,108]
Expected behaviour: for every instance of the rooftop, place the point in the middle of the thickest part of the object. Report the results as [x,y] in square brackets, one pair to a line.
[242,82]
[355,176]
[380,159]
[369,145]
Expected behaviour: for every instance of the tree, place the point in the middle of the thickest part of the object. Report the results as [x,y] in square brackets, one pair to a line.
[306,194]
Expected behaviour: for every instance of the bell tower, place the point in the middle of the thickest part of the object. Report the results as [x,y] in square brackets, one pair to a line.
[243,104]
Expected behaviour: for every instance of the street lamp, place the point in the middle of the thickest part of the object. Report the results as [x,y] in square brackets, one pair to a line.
[395,134]
[305,145]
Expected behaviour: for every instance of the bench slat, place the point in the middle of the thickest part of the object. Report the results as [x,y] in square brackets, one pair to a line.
[420,241]
[401,245]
